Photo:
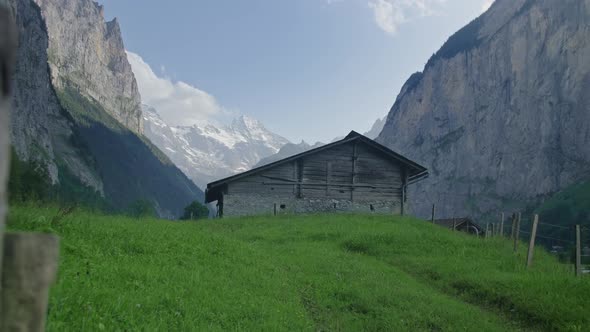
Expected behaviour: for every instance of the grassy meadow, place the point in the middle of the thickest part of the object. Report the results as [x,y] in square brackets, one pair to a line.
[303,273]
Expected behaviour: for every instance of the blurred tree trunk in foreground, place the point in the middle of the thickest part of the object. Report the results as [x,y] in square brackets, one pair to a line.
[28,262]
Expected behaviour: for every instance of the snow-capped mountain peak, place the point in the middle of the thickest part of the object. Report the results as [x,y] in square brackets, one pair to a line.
[244,122]
[252,129]
[207,151]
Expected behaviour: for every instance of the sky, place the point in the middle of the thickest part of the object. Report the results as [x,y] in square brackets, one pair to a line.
[307,69]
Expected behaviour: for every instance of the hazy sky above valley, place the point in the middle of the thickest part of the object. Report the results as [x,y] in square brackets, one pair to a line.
[308,69]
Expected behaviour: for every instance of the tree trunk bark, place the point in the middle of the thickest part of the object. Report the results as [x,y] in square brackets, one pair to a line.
[8,46]
[30,266]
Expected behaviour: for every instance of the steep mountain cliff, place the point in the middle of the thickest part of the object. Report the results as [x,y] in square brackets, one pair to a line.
[501,113]
[91,58]
[209,152]
[77,108]
[40,129]
[376,128]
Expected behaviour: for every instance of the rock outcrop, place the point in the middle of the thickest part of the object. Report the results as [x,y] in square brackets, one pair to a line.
[501,113]
[40,128]
[376,128]
[76,109]
[87,54]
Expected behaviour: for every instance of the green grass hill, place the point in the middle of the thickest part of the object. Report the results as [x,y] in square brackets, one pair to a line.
[302,273]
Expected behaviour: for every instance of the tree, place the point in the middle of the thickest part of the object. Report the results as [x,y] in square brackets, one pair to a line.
[28,180]
[142,209]
[195,210]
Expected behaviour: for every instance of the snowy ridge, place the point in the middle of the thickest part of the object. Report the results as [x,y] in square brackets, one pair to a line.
[292,149]
[207,152]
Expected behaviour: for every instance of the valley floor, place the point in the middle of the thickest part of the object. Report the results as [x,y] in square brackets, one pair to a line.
[324,272]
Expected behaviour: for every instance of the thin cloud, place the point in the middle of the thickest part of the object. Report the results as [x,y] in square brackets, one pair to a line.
[178,103]
[387,16]
[390,14]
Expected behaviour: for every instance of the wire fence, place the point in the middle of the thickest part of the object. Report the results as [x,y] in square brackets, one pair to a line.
[559,238]
[548,237]
[570,243]
[556,226]
[563,240]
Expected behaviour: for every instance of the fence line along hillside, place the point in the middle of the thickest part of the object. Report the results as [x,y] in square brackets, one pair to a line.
[570,243]
[559,239]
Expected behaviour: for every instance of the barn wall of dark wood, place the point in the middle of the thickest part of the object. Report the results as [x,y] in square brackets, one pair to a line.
[352,176]
[329,173]
[276,181]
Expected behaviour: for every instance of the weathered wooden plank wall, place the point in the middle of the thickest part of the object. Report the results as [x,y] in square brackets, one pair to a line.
[346,172]
[381,176]
[275,181]
[318,182]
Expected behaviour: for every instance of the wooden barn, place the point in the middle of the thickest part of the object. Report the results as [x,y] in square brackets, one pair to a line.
[355,174]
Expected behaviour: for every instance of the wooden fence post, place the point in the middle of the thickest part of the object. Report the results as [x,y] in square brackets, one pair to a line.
[516,232]
[529,259]
[454,224]
[578,252]
[433,208]
[502,225]
[487,230]
[512,225]
[275,209]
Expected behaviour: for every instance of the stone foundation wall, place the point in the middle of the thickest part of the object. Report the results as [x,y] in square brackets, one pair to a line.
[251,204]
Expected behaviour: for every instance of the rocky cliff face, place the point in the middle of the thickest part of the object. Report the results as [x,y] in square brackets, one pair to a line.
[76,109]
[501,113]
[87,54]
[40,128]
[208,152]
[376,128]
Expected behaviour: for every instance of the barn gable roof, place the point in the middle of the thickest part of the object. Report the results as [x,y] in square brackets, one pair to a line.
[416,171]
